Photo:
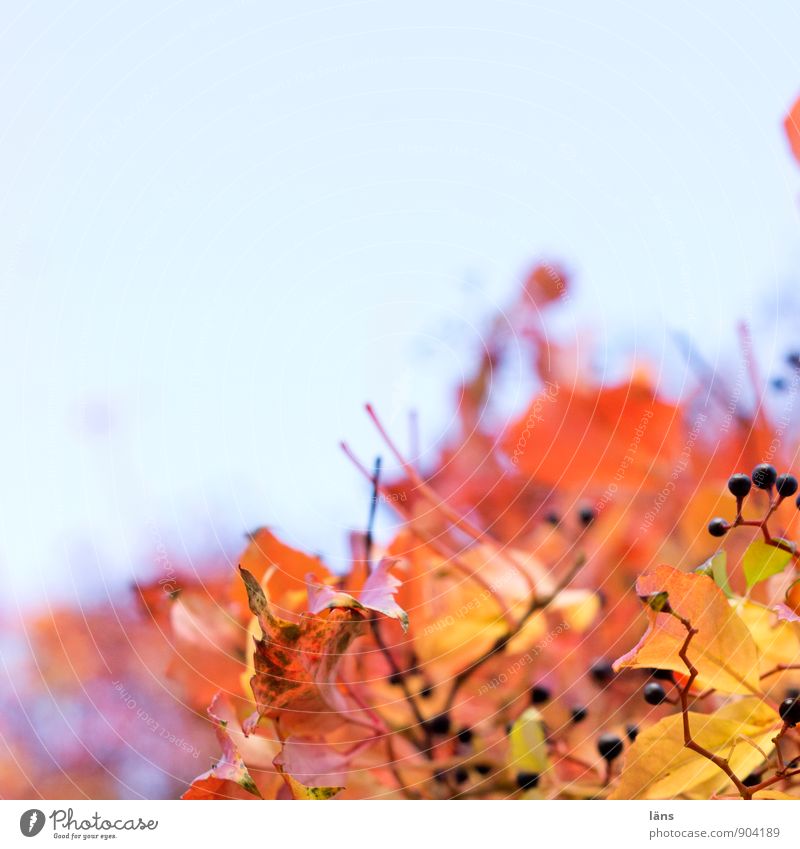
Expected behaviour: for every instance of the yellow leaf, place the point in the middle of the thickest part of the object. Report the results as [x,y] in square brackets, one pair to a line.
[773,794]
[300,791]
[578,607]
[528,743]
[253,631]
[716,567]
[529,635]
[658,766]
[462,620]
[762,561]
[777,641]
[722,649]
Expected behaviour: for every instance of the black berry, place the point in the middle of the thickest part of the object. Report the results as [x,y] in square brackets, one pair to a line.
[663,675]
[654,693]
[609,746]
[439,724]
[739,485]
[790,711]
[632,731]
[764,475]
[579,713]
[586,515]
[602,671]
[500,643]
[718,527]
[539,694]
[527,780]
[752,779]
[465,735]
[786,485]
[460,775]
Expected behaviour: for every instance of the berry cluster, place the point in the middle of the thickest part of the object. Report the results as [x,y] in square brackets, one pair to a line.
[764,477]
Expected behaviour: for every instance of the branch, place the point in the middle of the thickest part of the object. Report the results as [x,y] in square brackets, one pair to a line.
[438,503]
[688,741]
[763,525]
[537,605]
[425,747]
[373,506]
[430,541]
[782,773]
[781,667]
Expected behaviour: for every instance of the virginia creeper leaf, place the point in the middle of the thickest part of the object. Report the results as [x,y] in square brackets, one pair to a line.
[315,763]
[528,746]
[300,791]
[762,561]
[377,594]
[295,663]
[229,768]
[716,568]
[657,766]
[777,641]
[722,650]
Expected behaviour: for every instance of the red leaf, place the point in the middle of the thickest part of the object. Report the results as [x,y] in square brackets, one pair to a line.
[378,594]
[229,768]
[315,763]
[295,663]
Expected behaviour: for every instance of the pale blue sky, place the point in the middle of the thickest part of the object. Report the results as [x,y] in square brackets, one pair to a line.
[223,227]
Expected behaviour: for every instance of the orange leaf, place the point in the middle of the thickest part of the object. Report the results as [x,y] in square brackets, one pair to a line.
[295,663]
[722,650]
[584,436]
[285,567]
[792,126]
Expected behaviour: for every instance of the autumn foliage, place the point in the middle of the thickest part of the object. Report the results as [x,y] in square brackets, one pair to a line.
[551,618]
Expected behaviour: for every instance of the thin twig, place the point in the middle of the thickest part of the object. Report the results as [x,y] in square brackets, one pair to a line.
[536,606]
[438,503]
[453,558]
[373,505]
[399,675]
[688,741]
[781,667]
[384,649]
[763,525]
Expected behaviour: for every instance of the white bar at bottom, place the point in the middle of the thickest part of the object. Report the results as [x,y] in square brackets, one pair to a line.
[407,824]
